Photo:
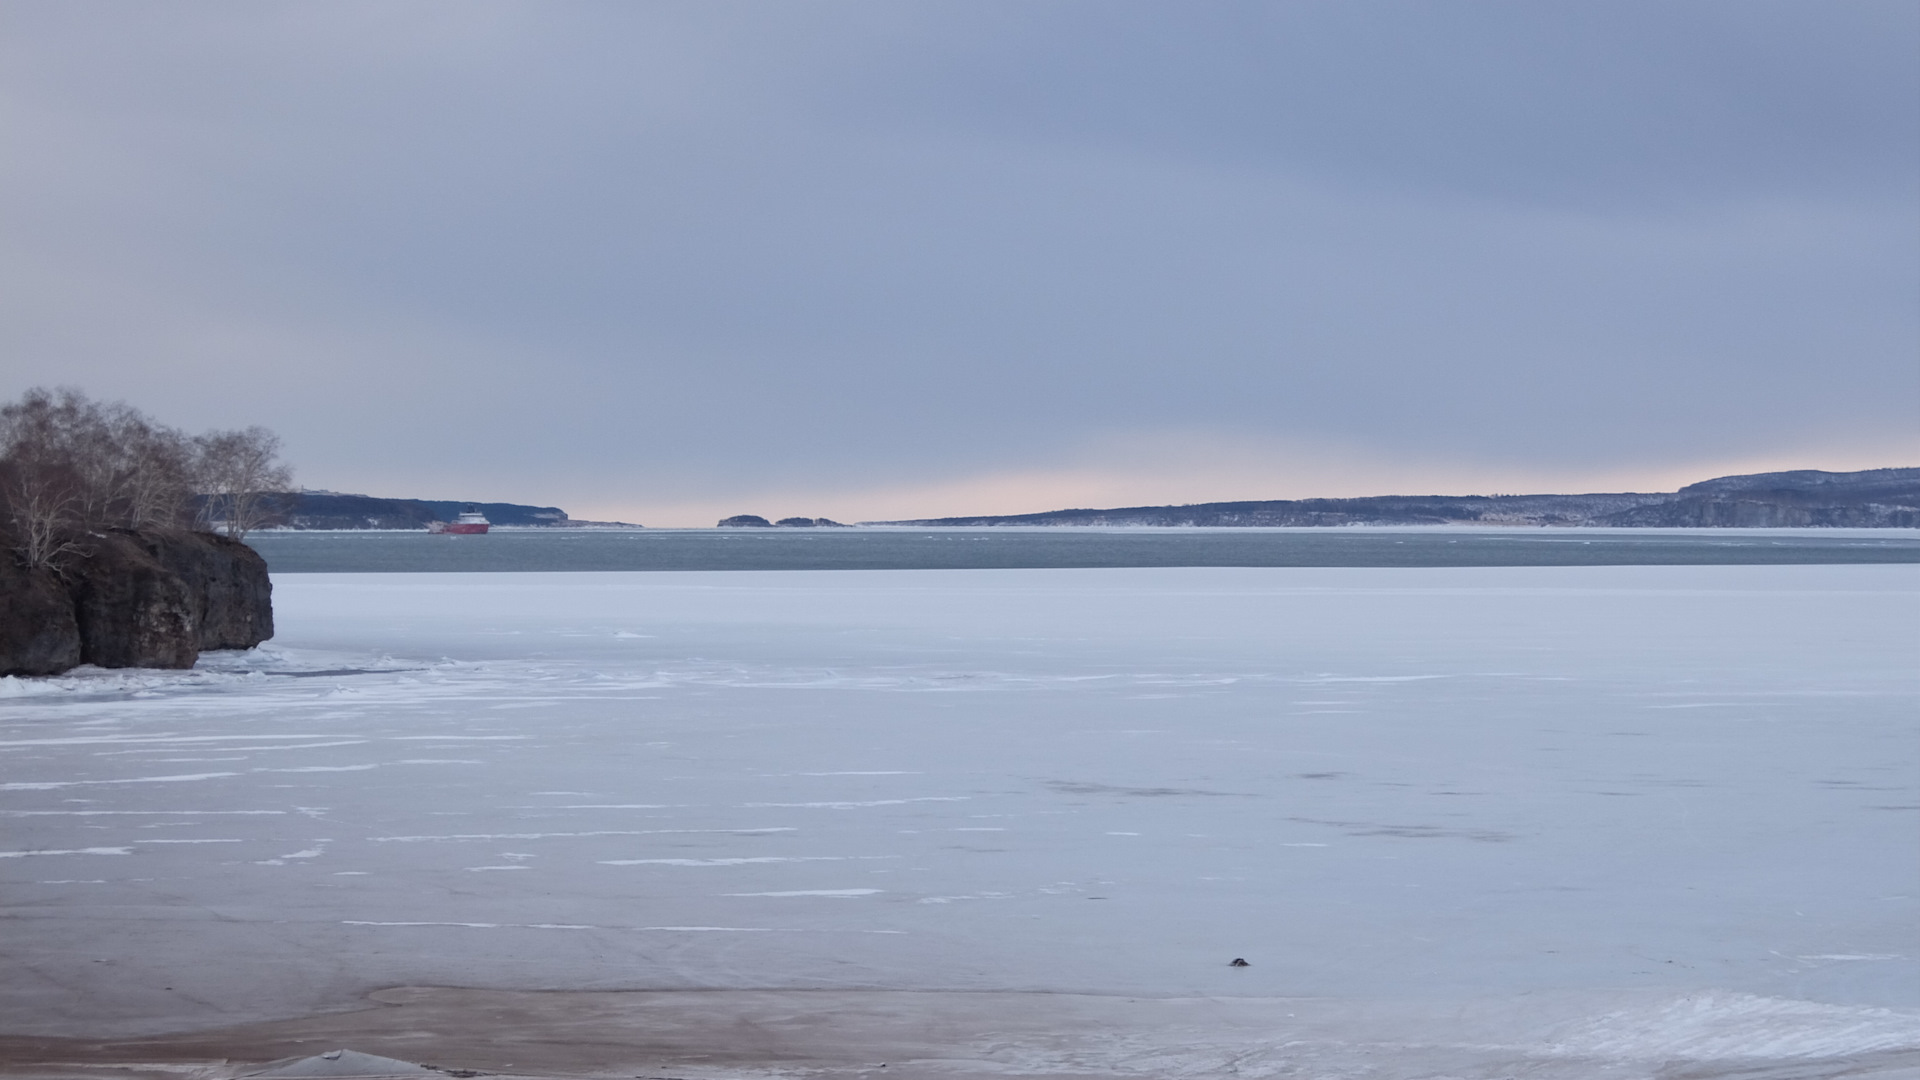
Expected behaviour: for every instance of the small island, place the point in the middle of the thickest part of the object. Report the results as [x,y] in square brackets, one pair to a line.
[124,538]
[755,521]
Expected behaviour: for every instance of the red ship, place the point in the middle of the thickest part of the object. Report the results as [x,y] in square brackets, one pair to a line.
[469,523]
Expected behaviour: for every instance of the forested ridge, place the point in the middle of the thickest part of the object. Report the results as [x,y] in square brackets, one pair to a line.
[1873,498]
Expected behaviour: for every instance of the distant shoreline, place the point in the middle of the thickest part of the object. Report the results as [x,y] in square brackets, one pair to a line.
[1805,498]
[1871,498]
[1463,527]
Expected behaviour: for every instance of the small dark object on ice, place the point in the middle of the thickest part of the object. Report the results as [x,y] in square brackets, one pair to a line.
[1237,962]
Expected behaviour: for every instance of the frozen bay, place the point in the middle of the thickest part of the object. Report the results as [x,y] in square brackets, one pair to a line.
[1671,807]
[1066,547]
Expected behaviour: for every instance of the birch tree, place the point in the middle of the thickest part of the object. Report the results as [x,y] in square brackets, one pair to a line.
[242,479]
[71,466]
[43,507]
[42,491]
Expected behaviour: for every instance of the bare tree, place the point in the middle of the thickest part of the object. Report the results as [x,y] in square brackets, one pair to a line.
[135,473]
[71,466]
[155,481]
[242,479]
[123,469]
[43,506]
[44,494]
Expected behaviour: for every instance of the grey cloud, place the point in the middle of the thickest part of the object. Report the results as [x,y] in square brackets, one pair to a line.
[680,248]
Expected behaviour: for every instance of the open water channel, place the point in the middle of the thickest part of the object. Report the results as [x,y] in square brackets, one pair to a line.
[1037,548]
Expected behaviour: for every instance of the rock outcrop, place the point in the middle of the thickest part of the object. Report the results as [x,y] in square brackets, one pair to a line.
[129,598]
[132,612]
[38,635]
[755,521]
[227,586]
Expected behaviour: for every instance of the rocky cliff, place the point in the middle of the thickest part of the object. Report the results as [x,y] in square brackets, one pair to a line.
[335,510]
[133,598]
[38,632]
[1870,499]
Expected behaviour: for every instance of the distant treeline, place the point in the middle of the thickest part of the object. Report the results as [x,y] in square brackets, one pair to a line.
[331,510]
[1874,498]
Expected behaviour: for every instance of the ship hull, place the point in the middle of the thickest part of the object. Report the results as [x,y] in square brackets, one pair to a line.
[456,528]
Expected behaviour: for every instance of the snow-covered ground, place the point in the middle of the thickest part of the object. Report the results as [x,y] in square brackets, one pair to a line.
[1670,811]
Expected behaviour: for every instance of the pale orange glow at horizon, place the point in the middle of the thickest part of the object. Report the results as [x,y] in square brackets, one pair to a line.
[1171,481]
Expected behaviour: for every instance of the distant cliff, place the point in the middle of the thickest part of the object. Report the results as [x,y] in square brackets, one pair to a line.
[333,510]
[1875,498]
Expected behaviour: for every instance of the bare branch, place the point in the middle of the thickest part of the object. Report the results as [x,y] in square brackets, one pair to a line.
[70,465]
[242,478]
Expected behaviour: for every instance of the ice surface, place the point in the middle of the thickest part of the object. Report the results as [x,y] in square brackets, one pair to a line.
[344,1063]
[1685,796]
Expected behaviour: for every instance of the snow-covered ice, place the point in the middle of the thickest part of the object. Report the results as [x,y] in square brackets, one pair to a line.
[1671,808]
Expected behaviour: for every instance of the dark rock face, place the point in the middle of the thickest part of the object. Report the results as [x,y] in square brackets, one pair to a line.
[132,611]
[226,582]
[134,599]
[38,635]
[745,521]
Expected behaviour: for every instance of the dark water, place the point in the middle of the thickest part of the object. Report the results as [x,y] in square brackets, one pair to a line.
[911,549]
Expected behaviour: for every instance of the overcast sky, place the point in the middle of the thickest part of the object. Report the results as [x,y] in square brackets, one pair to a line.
[667,261]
